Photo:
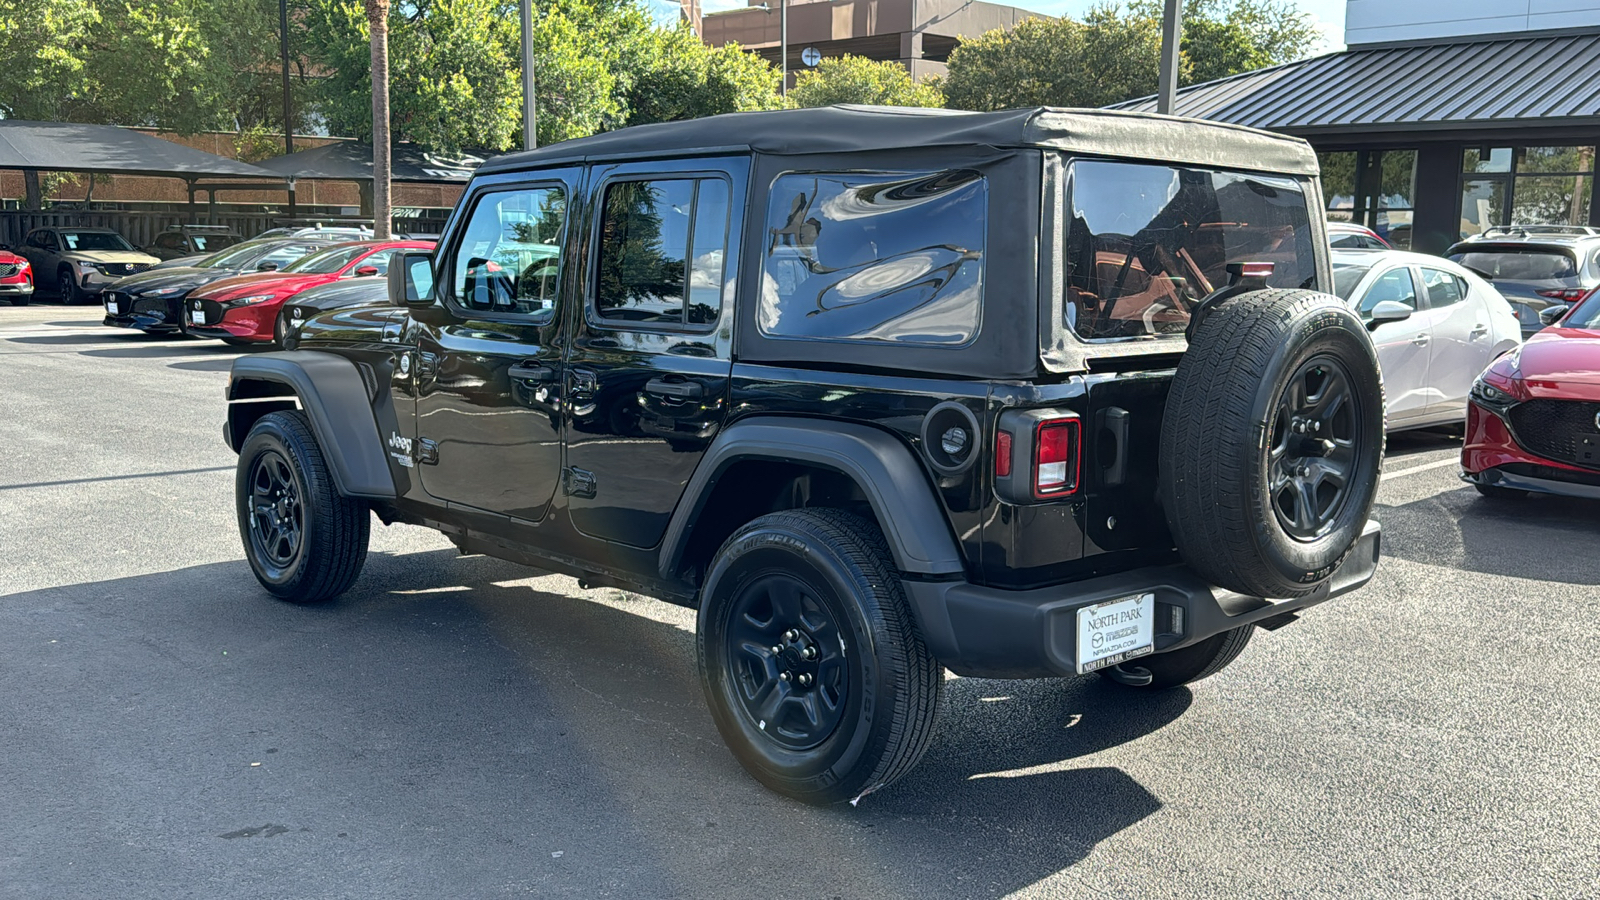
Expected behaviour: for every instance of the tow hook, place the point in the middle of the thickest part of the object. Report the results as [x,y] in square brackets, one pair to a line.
[1132,676]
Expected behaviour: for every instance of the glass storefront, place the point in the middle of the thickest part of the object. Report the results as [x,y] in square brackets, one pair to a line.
[1375,188]
[1525,186]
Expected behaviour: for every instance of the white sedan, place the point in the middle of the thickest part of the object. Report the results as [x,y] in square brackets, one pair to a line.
[1436,326]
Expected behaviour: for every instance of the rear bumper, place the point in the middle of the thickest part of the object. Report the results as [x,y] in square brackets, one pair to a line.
[994,633]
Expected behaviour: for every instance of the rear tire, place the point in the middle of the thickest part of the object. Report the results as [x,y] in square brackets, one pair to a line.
[304,540]
[1203,660]
[1501,494]
[1272,442]
[811,663]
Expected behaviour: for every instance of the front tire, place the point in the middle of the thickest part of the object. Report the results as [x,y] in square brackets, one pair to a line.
[67,287]
[809,657]
[304,540]
[1191,664]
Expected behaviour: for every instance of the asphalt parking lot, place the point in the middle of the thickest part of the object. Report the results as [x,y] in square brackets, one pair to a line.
[462,727]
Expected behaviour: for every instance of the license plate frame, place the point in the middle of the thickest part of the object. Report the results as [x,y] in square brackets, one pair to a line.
[197,317]
[1114,631]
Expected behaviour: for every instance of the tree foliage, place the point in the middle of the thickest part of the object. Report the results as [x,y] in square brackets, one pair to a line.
[1108,57]
[1113,54]
[856,79]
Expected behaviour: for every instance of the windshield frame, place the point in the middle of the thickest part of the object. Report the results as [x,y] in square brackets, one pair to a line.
[66,248]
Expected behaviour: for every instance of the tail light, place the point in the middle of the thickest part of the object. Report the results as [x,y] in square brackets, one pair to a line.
[1038,455]
[1565,295]
[1055,457]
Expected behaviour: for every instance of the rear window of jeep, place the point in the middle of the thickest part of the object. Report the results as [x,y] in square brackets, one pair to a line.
[1145,243]
[891,258]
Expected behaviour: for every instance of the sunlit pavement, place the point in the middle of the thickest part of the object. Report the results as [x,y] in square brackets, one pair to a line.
[462,727]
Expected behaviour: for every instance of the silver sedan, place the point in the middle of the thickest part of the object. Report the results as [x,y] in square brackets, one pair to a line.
[1436,326]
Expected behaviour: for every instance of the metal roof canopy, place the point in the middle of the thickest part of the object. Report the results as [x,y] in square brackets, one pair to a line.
[352,161]
[109,149]
[1482,82]
[851,129]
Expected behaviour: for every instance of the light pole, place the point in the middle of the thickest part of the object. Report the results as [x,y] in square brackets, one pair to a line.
[530,131]
[783,45]
[1171,30]
[288,119]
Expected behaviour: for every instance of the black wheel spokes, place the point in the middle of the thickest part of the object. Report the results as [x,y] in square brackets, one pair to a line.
[789,666]
[1314,448]
[276,516]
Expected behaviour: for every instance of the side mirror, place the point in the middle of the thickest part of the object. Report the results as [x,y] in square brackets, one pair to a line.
[1388,311]
[366,271]
[1552,314]
[411,279]
[267,267]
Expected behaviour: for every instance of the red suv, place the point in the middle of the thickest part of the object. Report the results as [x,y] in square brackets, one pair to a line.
[244,309]
[1533,419]
[16,278]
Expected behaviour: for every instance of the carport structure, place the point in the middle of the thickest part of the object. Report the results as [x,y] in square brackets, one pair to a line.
[112,150]
[351,161]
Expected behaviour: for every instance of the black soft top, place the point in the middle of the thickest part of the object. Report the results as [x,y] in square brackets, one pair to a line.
[847,129]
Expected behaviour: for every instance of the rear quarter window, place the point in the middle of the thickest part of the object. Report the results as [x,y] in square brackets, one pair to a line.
[1145,243]
[886,257]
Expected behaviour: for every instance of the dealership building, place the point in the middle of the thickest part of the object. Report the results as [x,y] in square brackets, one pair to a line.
[1440,119]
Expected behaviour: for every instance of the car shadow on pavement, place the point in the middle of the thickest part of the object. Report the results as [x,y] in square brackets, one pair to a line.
[461,729]
[1461,529]
[168,351]
[221,364]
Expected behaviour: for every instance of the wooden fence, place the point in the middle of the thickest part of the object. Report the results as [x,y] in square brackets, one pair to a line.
[141,228]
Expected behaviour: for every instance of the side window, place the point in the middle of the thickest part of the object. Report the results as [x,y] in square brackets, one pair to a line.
[284,255]
[1444,289]
[895,258]
[379,261]
[1396,285]
[170,242]
[509,259]
[660,257]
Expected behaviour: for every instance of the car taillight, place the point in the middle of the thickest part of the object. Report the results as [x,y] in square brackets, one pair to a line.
[1055,455]
[1566,295]
[1002,454]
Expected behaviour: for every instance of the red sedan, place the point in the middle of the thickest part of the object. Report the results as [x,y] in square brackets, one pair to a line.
[1533,420]
[244,309]
[16,278]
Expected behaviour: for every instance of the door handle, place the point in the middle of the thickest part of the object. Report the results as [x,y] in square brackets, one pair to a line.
[1420,340]
[1480,331]
[531,371]
[682,390]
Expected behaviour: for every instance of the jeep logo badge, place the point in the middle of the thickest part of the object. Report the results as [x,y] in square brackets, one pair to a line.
[405,364]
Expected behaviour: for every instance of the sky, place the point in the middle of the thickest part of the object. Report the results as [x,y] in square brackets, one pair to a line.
[1328,13]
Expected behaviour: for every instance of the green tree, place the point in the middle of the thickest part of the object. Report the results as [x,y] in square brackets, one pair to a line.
[1227,37]
[42,45]
[856,79]
[1108,57]
[678,77]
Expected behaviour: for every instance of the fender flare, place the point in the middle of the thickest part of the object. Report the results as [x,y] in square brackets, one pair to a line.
[916,528]
[335,398]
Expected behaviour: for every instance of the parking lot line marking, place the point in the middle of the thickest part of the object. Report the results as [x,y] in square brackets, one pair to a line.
[1423,468]
[40,484]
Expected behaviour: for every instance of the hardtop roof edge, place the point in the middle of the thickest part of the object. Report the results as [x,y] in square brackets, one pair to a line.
[847,129]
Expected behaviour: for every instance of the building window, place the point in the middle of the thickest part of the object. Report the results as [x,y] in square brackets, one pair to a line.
[1525,186]
[1375,188]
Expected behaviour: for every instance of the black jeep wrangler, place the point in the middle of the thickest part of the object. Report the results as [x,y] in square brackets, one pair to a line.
[879,392]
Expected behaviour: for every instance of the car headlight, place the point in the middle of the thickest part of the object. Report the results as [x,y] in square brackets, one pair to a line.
[257,298]
[1489,395]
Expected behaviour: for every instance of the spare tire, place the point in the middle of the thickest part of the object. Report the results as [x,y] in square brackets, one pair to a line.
[1272,441]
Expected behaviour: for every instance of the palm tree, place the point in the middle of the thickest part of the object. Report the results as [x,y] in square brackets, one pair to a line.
[378,20]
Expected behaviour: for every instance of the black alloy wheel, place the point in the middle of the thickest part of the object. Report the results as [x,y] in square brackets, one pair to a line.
[789,669]
[276,518]
[66,286]
[810,659]
[304,540]
[1315,448]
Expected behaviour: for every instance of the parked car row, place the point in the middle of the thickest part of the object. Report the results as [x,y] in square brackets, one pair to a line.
[238,295]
